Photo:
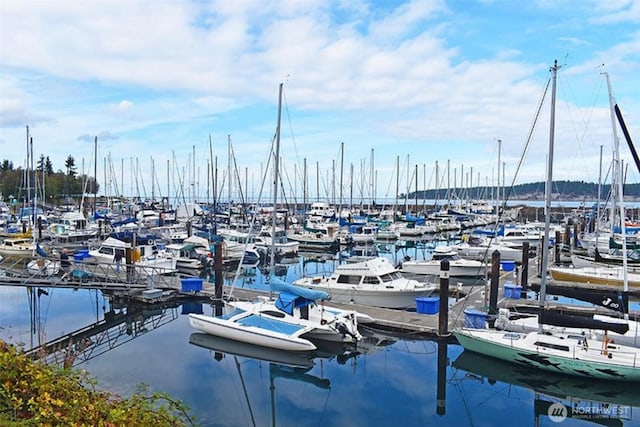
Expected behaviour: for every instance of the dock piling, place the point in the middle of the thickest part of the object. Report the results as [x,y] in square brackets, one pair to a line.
[443,308]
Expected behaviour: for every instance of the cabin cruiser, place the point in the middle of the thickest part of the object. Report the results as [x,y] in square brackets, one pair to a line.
[375,282]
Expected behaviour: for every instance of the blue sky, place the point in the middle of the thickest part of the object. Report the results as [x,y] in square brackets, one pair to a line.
[406,84]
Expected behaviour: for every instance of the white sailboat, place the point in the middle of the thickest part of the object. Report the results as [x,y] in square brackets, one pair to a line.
[558,352]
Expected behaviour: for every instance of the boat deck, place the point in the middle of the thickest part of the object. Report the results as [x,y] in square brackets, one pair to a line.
[270,324]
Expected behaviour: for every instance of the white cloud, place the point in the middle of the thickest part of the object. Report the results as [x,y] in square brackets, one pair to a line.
[424,78]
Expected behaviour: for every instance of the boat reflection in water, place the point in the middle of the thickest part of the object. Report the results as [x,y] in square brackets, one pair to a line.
[303,359]
[603,402]
[287,365]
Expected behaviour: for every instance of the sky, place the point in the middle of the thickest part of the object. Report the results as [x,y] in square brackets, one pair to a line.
[379,97]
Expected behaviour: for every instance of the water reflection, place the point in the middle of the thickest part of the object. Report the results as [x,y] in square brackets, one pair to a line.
[602,402]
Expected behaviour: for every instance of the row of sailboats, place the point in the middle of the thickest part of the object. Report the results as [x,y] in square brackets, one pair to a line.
[563,351]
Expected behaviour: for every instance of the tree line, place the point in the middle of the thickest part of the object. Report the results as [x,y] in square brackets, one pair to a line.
[17,183]
[566,190]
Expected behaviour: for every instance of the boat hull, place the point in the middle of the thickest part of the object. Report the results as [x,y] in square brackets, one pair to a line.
[611,276]
[375,298]
[225,328]
[579,360]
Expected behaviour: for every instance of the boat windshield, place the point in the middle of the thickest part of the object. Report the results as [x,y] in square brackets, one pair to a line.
[390,277]
[446,255]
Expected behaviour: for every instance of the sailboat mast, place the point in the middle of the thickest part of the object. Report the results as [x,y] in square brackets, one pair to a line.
[276,175]
[547,199]
[620,186]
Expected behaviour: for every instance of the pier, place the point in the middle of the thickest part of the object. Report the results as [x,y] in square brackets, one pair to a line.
[137,283]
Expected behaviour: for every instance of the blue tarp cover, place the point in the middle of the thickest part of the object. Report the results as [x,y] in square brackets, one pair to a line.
[279,285]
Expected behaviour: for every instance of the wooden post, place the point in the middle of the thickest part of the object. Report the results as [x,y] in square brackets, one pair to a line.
[217,266]
[443,308]
[524,273]
[557,247]
[495,282]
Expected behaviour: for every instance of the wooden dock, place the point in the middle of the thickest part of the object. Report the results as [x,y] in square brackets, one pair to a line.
[413,322]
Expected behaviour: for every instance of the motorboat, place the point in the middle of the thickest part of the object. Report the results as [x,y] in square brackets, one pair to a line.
[17,247]
[458,266]
[374,282]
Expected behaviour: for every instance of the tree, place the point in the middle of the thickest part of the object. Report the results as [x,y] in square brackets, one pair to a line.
[41,163]
[70,164]
[6,165]
[48,166]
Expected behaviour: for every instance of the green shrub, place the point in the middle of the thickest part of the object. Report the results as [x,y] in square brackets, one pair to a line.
[34,394]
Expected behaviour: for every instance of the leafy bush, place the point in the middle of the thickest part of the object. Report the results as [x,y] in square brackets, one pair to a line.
[34,394]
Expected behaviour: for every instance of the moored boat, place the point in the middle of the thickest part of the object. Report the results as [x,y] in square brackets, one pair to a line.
[374,282]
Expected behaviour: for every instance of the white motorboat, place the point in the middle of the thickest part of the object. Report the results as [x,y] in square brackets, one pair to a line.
[458,266]
[484,250]
[277,240]
[374,282]
[17,247]
[286,322]
[145,255]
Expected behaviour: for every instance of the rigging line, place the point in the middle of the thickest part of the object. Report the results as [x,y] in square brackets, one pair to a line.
[235,168]
[566,90]
[293,137]
[253,217]
[465,402]
[244,389]
[524,152]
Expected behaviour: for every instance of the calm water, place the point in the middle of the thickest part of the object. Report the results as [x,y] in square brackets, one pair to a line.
[388,380]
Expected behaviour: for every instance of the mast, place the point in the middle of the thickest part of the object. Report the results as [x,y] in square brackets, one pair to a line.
[620,186]
[547,198]
[339,210]
[95,174]
[276,176]
[395,205]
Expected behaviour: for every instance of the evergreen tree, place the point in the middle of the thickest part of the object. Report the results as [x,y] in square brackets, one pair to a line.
[70,164]
[6,165]
[48,166]
[41,162]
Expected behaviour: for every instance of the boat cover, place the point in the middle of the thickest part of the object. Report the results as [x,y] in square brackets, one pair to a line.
[279,285]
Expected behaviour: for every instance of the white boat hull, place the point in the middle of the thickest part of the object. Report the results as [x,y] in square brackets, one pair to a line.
[249,334]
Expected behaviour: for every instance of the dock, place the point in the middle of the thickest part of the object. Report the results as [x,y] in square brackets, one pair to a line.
[138,286]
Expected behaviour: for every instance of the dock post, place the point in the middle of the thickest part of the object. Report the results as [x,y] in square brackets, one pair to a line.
[524,272]
[495,282]
[219,277]
[557,247]
[443,307]
[217,266]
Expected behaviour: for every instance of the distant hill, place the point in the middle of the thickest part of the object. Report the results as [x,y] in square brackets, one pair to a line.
[564,190]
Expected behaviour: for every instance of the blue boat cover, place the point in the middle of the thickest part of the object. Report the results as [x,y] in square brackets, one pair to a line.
[279,285]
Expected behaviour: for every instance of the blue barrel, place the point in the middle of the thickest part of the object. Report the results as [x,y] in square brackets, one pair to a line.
[474,319]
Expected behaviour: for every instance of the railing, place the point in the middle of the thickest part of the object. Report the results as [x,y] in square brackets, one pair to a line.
[89,274]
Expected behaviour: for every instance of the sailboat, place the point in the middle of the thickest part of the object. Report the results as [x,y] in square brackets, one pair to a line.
[558,352]
[289,321]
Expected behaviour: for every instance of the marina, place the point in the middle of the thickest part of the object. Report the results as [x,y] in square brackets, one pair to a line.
[371,279]
[398,371]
